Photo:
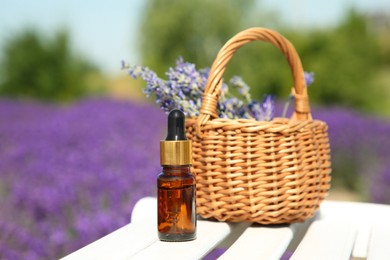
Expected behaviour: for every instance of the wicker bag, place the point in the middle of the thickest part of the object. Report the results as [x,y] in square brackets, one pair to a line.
[269,172]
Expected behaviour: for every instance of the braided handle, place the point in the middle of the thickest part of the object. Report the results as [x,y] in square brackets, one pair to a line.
[214,82]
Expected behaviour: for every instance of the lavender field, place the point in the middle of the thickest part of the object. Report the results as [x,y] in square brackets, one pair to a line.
[71,174]
[360,152]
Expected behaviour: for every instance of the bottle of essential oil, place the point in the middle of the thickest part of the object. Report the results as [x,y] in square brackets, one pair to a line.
[176,184]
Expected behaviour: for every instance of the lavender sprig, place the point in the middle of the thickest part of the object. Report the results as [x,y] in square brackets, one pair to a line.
[242,87]
[182,90]
[309,79]
[263,111]
[185,86]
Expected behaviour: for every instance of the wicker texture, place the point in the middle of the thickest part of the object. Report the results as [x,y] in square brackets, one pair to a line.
[266,172]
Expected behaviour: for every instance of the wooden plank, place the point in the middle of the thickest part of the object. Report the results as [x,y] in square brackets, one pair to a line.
[209,234]
[145,208]
[364,215]
[330,236]
[260,242]
[327,239]
[360,247]
[121,244]
[127,240]
[379,246]
[138,240]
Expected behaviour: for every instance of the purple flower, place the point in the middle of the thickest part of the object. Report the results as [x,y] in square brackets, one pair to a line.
[241,86]
[231,108]
[309,78]
[72,174]
[184,89]
[184,86]
[262,111]
[268,107]
[124,64]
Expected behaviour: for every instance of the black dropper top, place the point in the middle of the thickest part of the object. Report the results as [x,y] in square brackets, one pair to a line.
[176,126]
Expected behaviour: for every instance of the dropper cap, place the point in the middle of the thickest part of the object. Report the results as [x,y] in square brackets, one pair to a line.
[175,149]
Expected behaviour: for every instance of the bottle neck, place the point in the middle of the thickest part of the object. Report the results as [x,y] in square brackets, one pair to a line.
[176,170]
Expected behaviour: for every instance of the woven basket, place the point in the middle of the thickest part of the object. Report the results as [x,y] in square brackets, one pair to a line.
[269,172]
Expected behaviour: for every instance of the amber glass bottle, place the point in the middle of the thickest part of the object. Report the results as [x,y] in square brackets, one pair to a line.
[176,184]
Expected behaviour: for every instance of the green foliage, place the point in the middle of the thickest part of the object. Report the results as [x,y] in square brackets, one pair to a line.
[36,67]
[347,59]
[192,29]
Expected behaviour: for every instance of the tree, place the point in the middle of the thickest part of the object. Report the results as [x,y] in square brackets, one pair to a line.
[37,67]
[195,30]
[345,58]
[346,61]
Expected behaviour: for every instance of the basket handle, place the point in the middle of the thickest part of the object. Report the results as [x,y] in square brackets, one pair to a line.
[214,81]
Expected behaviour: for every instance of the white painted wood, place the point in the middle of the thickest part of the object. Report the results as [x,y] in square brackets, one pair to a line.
[327,239]
[379,246]
[145,208]
[364,215]
[138,240]
[259,242]
[127,240]
[209,234]
[339,229]
[121,244]
[354,211]
[360,248]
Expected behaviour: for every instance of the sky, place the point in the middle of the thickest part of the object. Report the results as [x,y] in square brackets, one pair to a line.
[106,31]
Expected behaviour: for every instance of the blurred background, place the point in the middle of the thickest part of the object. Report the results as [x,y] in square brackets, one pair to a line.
[74,126]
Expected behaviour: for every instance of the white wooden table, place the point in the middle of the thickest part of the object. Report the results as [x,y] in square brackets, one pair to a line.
[341,230]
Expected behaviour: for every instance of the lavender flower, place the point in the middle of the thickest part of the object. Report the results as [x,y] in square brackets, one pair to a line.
[184,89]
[231,108]
[268,108]
[153,82]
[262,111]
[360,158]
[242,87]
[72,183]
[309,78]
